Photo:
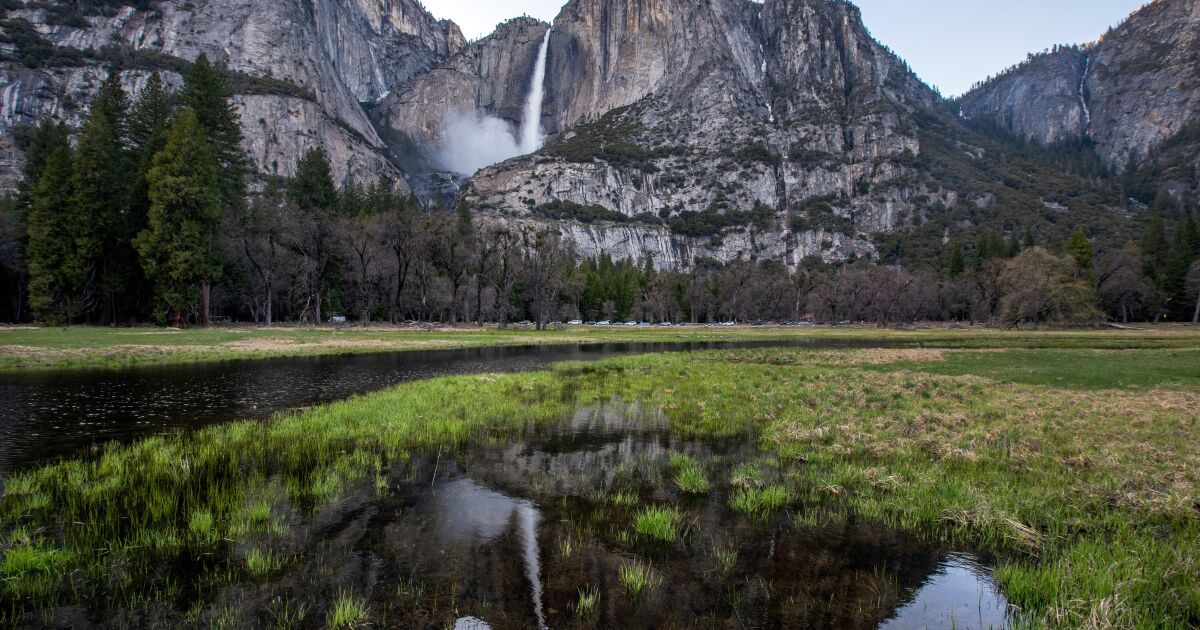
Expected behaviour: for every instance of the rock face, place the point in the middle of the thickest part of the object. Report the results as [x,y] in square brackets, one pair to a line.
[678,129]
[672,107]
[330,54]
[1129,92]
[488,77]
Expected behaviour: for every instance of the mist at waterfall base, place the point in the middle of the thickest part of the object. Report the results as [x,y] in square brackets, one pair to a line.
[472,139]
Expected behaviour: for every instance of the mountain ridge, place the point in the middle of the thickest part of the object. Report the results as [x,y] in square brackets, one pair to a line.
[675,127]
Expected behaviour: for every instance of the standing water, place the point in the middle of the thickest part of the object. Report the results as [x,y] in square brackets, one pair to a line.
[531,124]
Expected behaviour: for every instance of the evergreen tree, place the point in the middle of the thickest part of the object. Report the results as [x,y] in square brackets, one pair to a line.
[1155,246]
[956,262]
[206,92]
[42,141]
[1080,249]
[1029,240]
[150,120]
[149,124]
[312,187]
[99,212]
[113,103]
[53,288]
[179,245]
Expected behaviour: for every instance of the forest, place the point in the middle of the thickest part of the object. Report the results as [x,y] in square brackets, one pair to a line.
[151,213]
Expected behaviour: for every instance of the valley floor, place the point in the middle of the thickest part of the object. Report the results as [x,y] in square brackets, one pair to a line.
[30,347]
[1073,459]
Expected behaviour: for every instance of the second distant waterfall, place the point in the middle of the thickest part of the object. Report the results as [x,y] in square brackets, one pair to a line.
[531,123]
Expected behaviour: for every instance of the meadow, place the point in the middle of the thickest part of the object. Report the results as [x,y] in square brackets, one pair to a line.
[88,347]
[1072,458]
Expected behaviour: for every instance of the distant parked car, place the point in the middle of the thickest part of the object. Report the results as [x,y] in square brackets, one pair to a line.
[592,323]
[605,323]
[804,323]
[844,322]
[525,322]
[728,323]
[575,322]
[666,324]
[631,323]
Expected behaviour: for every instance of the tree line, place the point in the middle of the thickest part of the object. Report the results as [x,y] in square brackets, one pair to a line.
[147,217]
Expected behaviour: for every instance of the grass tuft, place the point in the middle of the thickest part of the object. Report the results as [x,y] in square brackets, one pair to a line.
[658,523]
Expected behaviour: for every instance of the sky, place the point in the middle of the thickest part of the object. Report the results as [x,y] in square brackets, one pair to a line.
[951,44]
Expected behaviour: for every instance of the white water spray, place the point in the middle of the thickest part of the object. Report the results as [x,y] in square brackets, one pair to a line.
[1087,112]
[472,139]
[531,124]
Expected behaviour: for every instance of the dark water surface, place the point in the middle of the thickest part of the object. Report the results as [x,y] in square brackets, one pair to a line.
[510,534]
[46,415]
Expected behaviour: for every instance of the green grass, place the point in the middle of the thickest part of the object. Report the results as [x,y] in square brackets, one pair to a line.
[657,523]
[261,564]
[638,578]
[83,347]
[588,599]
[761,503]
[689,476]
[348,612]
[1083,487]
[1096,369]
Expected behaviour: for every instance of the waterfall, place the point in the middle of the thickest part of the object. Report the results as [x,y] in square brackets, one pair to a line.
[1087,112]
[531,124]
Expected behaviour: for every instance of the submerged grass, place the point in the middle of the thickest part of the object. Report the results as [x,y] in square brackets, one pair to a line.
[1085,488]
[689,476]
[657,523]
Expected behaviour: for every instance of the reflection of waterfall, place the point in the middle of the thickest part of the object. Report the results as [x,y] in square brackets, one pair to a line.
[528,520]
[531,125]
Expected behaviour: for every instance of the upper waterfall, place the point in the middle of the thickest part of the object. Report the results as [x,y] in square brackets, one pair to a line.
[531,124]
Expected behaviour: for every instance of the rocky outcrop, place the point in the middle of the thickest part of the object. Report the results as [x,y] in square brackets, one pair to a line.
[678,129]
[1045,100]
[329,54]
[488,77]
[674,108]
[1129,92]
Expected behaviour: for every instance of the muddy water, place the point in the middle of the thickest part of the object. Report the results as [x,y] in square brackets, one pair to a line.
[51,414]
[510,534]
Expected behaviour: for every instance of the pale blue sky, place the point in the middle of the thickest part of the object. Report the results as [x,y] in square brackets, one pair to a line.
[950,43]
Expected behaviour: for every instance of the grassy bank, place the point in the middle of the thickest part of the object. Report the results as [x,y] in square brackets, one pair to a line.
[31,348]
[1078,468]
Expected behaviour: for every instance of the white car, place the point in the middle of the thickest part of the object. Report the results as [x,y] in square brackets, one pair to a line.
[728,324]
[575,322]
[631,323]
[605,323]
[666,324]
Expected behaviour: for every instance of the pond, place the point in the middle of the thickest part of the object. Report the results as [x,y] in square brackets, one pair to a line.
[537,530]
[46,415]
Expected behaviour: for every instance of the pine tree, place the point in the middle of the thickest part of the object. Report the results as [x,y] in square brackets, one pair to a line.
[206,92]
[1155,246]
[179,245]
[1080,249]
[113,103]
[150,120]
[957,262]
[43,141]
[53,289]
[149,124]
[1029,240]
[98,212]
[312,187]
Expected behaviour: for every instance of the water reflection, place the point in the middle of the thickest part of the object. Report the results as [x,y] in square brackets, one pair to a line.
[959,595]
[509,562]
[46,415]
